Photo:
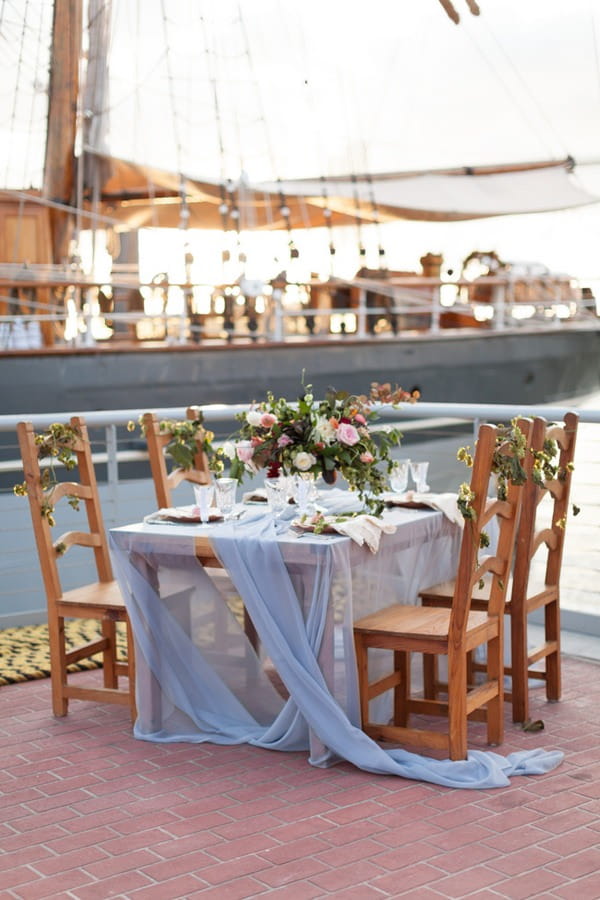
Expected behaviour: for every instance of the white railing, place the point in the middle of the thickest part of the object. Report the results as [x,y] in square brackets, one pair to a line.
[363,307]
[127,497]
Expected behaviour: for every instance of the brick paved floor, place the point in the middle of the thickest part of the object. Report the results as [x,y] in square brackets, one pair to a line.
[88,812]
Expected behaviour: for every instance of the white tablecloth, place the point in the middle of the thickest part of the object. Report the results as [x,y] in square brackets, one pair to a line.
[199,677]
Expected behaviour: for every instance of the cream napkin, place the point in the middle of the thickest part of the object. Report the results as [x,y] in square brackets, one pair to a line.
[258,495]
[364,530]
[446,503]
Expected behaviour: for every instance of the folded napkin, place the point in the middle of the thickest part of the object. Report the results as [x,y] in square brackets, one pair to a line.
[364,530]
[259,495]
[446,503]
[183,514]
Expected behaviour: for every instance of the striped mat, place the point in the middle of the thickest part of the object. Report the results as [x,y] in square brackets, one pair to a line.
[25,653]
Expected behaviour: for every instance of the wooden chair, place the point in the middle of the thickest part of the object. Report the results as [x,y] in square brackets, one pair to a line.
[452,632]
[526,591]
[101,600]
[165,482]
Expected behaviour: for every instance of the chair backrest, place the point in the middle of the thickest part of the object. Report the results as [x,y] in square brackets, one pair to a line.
[157,438]
[531,534]
[85,490]
[473,564]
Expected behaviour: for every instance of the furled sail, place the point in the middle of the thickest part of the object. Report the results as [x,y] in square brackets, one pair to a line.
[142,196]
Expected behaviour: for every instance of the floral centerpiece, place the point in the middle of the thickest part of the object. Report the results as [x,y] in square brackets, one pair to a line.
[320,437]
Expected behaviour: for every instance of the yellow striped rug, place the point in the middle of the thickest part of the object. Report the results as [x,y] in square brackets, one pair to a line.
[25,653]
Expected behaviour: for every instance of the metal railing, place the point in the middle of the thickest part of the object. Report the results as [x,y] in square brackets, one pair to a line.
[195,312]
[127,497]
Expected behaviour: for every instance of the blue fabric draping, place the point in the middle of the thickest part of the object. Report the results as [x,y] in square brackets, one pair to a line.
[193,691]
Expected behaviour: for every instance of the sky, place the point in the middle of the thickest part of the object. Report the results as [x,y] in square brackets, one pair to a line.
[278,89]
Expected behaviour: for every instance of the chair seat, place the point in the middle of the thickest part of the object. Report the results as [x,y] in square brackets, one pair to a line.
[427,623]
[103,596]
[538,594]
[441,594]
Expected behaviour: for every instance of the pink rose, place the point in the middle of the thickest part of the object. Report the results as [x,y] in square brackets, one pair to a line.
[347,434]
[367,457]
[268,419]
[284,440]
[360,419]
[244,452]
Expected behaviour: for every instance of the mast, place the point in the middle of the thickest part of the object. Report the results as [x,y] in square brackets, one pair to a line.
[59,166]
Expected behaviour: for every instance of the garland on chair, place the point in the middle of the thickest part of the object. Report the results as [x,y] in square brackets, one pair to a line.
[187,438]
[57,444]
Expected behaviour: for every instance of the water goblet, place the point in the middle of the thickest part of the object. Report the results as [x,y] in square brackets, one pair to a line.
[305,493]
[226,489]
[204,495]
[277,490]
[418,470]
[399,476]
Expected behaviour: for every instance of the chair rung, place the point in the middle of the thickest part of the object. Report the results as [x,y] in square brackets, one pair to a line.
[424,707]
[97,694]
[431,739]
[86,650]
[480,695]
[384,684]
[542,652]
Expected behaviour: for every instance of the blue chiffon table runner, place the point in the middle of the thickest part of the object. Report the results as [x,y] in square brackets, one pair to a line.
[195,689]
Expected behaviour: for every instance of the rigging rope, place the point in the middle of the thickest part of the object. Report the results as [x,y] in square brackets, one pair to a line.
[284,209]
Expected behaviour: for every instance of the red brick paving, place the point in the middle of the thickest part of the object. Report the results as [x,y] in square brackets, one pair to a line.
[88,812]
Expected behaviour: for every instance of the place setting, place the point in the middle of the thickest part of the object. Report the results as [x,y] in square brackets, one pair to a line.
[421,497]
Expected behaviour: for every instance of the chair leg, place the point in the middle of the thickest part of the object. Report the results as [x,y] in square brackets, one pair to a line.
[58,664]
[430,676]
[362,668]
[402,689]
[131,671]
[519,666]
[552,629]
[457,706]
[109,657]
[495,706]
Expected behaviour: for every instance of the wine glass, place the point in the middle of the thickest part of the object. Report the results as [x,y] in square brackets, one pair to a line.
[226,488]
[399,476]
[418,470]
[204,494]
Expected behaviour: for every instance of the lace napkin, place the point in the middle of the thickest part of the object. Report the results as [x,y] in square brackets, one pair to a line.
[446,503]
[364,530]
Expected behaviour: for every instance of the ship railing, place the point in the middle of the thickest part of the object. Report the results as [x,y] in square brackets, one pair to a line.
[72,313]
[434,431]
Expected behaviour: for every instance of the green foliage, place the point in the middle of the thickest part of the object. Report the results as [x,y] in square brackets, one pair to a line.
[323,437]
[56,444]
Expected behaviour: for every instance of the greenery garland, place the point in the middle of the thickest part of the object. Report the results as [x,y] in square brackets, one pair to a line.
[56,444]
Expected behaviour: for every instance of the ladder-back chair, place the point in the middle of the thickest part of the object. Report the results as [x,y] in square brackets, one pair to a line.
[528,591]
[100,599]
[452,632]
[165,482]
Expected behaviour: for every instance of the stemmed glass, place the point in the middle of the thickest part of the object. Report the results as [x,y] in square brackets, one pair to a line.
[226,488]
[204,494]
[399,476]
[277,494]
[418,470]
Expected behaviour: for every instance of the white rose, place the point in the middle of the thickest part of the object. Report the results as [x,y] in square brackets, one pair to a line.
[228,449]
[304,461]
[253,417]
[324,430]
